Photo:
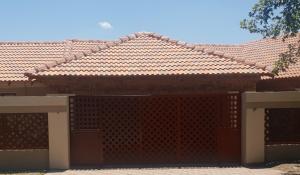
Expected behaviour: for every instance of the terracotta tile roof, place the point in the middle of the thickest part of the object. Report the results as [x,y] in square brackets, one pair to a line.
[147,54]
[18,57]
[267,51]
[233,50]
[263,52]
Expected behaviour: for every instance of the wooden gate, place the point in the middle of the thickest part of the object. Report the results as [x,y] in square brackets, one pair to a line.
[111,130]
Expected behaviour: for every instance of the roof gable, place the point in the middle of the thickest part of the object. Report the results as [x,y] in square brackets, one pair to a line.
[147,54]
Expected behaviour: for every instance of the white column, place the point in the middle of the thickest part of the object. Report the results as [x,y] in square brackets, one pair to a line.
[59,140]
[253,136]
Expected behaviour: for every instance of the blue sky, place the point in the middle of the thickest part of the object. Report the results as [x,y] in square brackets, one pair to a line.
[197,21]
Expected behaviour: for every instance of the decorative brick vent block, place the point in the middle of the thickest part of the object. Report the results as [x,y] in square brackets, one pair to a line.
[23,131]
[282,126]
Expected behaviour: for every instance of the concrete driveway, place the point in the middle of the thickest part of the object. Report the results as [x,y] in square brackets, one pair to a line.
[172,171]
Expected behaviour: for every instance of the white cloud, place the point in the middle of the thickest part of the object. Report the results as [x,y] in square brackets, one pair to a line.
[105,25]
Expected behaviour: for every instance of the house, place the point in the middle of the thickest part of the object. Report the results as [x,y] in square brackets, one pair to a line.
[265,52]
[144,99]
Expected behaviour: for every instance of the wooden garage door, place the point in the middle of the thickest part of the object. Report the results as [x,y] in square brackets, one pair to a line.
[112,130]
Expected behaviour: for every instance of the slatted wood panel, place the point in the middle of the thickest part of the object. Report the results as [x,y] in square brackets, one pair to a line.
[23,131]
[229,130]
[85,125]
[159,129]
[282,125]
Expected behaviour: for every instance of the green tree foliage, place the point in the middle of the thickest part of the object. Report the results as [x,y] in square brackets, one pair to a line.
[274,18]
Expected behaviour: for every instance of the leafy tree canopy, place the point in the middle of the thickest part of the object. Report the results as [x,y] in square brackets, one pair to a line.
[274,18]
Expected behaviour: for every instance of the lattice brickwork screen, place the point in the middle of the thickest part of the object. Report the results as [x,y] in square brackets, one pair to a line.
[282,126]
[232,111]
[121,129]
[23,131]
[200,117]
[160,129]
[87,111]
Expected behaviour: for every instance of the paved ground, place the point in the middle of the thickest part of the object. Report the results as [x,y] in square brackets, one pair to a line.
[289,168]
[172,171]
[22,173]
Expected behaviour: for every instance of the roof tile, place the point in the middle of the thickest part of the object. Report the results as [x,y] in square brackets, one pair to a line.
[18,57]
[149,54]
[263,53]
